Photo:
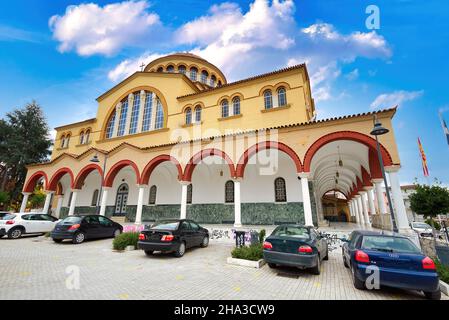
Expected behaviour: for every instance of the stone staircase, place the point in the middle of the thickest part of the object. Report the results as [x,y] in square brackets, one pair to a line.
[121,220]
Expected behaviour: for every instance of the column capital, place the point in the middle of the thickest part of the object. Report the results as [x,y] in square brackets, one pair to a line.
[369,188]
[27,193]
[377,181]
[362,192]
[49,191]
[357,196]
[237,179]
[142,186]
[185,183]
[392,169]
[76,190]
[303,175]
[106,188]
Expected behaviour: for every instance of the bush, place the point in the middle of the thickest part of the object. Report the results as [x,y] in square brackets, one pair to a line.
[252,253]
[433,223]
[262,235]
[126,239]
[443,271]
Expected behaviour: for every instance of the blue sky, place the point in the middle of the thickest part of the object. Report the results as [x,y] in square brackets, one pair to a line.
[64,54]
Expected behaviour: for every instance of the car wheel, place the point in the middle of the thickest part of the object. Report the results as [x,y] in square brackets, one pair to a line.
[433,295]
[326,257]
[15,233]
[149,252]
[345,263]
[272,265]
[57,240]
[317,269]
[181,250]
[78,238]
[358,284]
[117,232]
[205,242]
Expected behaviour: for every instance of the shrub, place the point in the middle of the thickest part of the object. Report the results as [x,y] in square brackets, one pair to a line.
[443,271]
[433,223]
[262,235]
[252,253]
[126,239]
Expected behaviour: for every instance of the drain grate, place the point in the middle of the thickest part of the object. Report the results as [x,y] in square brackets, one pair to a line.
[288,275]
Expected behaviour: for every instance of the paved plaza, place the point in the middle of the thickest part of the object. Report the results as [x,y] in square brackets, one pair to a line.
[35,268]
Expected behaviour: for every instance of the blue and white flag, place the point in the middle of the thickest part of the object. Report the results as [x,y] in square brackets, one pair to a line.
[446,130]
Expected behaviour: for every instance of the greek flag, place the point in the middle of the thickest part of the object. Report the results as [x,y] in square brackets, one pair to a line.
[445,128]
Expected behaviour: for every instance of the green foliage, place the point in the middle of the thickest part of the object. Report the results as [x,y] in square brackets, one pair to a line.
[433,223]
[4,198]
[443,271]
[430,201]
[37,200]
[262,235]
[126,239]
[252,253]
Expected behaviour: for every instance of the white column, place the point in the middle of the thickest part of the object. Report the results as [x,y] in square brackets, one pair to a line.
[47,202]
[237,204]
[104,201]
[350,210]
[73,202]
[26,195]
[141,111]
[360,209]
[356,210]
[306,199]
[59,206]
[129,113]
[118,111]
[364,200]
[371,205]
[380,196]
[184,185]
[398,201]
[140,204]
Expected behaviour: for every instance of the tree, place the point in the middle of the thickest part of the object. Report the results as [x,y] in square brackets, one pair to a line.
[430,201]
[24,139]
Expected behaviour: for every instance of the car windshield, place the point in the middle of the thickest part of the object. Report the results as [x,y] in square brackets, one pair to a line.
[389,244]
[165,225]
[8,217]
[421,225]
[69,220]
[292,231]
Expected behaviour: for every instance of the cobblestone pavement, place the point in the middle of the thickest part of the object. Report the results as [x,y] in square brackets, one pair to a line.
[35,268]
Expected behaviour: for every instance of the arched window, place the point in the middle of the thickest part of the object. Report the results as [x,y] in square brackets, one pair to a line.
[280,190]
[82,137]
[110,127]
[170,69]
[189,194]
[135,114]
[224,109]
[282,97]
[122,120]
[236,105]
[159,116]
[198,114]
[204,76]
[148,109]
[268,98]
[153,194]
[229,192]
[213,80]
[188,116]
[219,83]
[87,136]
[193,74]
[160,69]
[62,141]
[94,202]
[182,69]
[67,141]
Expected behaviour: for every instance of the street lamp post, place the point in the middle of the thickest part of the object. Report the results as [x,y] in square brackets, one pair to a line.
[96,160]
[378,130]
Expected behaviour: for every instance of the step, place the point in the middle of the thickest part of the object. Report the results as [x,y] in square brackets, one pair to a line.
[120,220]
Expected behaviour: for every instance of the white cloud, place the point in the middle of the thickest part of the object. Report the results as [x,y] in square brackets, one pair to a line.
[397,98]
[90,29]
[353,75]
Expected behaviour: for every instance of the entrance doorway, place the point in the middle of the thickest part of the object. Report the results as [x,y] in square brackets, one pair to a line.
[121,200]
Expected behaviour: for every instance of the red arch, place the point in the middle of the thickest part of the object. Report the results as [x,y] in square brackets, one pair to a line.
[196,159]
[366,178]
[343,193]
[263,146]
[146,174]
[116,169]
[53,184]
[345,135]
[31,183]
[82,175]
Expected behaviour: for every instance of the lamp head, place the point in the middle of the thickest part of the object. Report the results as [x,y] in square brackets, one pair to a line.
[378,130]
[95,159]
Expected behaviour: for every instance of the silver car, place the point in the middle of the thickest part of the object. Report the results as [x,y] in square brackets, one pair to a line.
[422,228]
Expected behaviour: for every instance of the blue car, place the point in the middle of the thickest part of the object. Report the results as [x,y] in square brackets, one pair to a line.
[399,261]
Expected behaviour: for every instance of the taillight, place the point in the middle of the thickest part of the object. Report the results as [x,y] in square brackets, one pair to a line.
[10,222]
[168,238]
[361,256]
[267,245]
[305,249]
[141,236]
[75,226]
[428,264]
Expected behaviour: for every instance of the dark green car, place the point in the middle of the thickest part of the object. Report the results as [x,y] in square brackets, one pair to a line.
[296,246]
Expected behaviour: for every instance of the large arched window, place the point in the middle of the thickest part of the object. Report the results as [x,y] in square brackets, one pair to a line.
[224,109]
[229,192]
[182,69]
[122,120]
[110,127]
[198,114]
[160,69]
[87,136]
[170,69]
[94,202]
[135,114]
[188,116]
[282,97]
[280,190]
[159,116]
[153,195]
[193,74]
[189,193]
[236,105]
[268,98]
[147,111]
[204,76]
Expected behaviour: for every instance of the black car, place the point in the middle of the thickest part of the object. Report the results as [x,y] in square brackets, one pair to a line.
[80,228]
[296,246]
[173,236]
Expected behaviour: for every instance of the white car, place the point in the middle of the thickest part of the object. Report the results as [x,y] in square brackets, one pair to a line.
[14,225]
[423,229]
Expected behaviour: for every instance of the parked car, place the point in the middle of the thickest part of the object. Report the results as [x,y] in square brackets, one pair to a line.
[79,228]
[296,246]
[14,225]
[4,213]
[401,264]
[422,228]
[173,236]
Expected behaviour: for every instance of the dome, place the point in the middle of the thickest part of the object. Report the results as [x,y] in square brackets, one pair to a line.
[193,66]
